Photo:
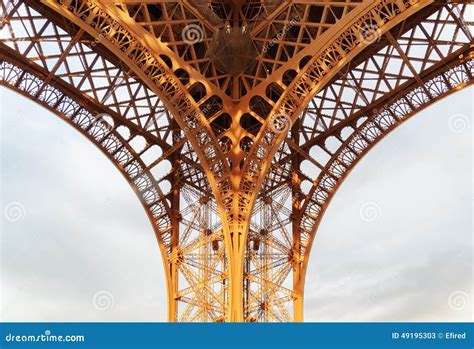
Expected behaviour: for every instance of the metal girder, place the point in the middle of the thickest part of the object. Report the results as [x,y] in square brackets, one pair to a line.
[241,164]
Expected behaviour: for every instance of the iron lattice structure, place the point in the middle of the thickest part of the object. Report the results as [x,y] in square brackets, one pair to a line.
[235,121]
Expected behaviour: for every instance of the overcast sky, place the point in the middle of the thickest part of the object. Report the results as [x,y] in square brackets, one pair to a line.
[394,245]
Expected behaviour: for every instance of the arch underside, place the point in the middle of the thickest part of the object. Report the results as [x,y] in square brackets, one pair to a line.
[62,67]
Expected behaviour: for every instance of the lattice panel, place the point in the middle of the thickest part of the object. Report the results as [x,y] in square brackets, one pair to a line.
[269,260]
[387,68]
[201,260]
[274,31]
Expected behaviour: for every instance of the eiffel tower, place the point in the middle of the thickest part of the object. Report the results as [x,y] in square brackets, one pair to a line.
[235,121]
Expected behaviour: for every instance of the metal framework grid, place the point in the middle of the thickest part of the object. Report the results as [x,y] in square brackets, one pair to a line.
[235,121]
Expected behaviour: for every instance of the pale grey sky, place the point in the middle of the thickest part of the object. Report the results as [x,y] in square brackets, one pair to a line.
[416,253]
[83,233]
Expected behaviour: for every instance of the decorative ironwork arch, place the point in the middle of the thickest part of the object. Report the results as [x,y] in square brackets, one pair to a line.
[370,131]
[235,210]
[104,135]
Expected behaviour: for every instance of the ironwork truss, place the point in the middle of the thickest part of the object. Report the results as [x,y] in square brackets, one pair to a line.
[235,122]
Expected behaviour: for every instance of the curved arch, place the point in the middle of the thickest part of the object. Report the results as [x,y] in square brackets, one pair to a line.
[366,135]
[105,137]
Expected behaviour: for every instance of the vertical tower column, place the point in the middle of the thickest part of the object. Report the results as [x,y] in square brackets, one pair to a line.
[237,232]
[175,222]
[296,258]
